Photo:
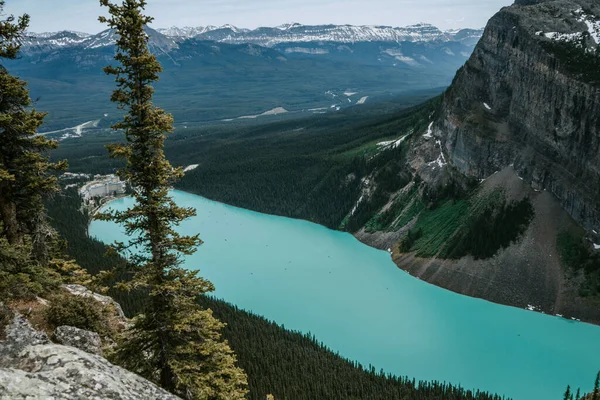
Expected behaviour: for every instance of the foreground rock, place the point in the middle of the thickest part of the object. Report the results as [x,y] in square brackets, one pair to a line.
[87,341]
[32,367]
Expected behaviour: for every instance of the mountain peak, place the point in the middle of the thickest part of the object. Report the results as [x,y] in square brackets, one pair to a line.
[290,25]
[293,32]
[45,35]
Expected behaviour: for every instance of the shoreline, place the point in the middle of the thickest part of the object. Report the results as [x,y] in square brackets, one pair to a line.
[394,257]
[96,210]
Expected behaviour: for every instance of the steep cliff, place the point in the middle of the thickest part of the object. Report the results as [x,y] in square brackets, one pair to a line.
[505,199]
[518,102]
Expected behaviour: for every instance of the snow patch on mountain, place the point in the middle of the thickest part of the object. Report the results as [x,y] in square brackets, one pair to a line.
[398,55]
[187,31]
[591,22]
[306,50]
[274,111]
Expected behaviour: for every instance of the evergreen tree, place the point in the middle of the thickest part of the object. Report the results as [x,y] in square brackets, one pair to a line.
[596,387]
[25,170]
[568,395]
[180,341]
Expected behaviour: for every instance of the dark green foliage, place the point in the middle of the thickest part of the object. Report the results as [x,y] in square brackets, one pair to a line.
[11,31]
[491,230]
[22,277]
[593,396]
[290,365]
[70,219]
[6,316]
[293,366]
[26,179]
[79,311]
[307,168]
[181,342]
[438,226]
[576,256]
[478,225]
[25,171]
[576,58]
[568,395]
[404,208]
[408,241]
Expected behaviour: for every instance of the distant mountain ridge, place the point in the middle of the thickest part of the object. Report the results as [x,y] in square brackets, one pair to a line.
[265,36]
[245,72]
[294,32]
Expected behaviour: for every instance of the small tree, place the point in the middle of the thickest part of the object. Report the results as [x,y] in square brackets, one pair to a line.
[180,342]
[568,395]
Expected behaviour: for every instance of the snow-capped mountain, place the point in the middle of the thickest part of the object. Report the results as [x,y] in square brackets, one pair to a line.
[167,39]
[294,33]
[186,32]
[55,39]
[245,72]
[35,43]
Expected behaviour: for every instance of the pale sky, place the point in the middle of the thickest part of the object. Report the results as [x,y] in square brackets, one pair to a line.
[81,15]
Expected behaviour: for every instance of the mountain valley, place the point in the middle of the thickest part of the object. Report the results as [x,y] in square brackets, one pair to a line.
[460,147]
[407,198]
[210,78]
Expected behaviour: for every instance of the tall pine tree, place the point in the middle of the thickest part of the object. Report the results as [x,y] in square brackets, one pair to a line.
[27,243]
[180,342]
[25,170]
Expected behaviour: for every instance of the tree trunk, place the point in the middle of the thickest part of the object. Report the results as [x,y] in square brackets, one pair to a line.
[8,213]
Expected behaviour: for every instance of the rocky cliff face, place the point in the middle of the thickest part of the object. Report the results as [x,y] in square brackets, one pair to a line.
[519,102]
[522,117]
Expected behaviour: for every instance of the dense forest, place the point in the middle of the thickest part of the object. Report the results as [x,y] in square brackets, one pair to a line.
[309,168]
[287,364]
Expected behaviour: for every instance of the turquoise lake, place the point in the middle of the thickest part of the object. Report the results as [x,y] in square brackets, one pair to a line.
[356,301]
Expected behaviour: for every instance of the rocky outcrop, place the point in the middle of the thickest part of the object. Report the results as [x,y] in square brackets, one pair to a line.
[516,102]
[32,367]
[79,290]
[87,341]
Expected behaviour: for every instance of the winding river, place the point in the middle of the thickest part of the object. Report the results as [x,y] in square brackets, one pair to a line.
[355,300]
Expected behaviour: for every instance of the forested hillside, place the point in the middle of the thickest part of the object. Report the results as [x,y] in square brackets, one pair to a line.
[309,168]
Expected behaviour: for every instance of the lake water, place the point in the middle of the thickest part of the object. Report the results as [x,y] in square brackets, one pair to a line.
[355,300]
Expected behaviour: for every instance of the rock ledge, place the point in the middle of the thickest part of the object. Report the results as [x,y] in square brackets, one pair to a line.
[32,367]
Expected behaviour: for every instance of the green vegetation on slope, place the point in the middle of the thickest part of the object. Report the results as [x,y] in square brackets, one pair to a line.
[479,225]
[306,168]
[577,257]
[287,364]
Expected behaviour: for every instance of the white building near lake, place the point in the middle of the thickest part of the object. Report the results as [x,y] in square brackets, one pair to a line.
[109,185]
